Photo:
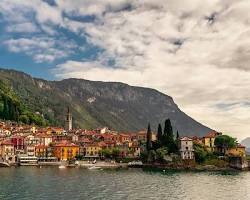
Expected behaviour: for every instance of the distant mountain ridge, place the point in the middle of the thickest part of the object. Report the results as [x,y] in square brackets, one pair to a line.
[246,143]
[95,103]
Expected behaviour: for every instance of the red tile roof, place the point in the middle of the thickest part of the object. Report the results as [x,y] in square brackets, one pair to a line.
[65,143]
[240,146]
[6,142]
[212,134]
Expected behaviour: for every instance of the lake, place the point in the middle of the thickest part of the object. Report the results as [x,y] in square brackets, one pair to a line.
[27,183]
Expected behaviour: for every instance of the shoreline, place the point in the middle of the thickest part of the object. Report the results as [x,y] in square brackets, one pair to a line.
[147,167]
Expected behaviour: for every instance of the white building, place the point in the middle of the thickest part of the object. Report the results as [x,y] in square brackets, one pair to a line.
[7,151]
[186,148]
[30,150]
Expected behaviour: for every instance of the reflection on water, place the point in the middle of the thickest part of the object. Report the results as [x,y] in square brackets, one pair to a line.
[26,183]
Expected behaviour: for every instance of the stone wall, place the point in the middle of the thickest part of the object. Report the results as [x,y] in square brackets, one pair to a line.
[239,163]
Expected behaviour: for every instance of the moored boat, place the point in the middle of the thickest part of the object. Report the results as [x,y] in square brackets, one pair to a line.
[4,164]
[94,168]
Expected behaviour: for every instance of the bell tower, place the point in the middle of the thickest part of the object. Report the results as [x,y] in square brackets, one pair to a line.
[68,121]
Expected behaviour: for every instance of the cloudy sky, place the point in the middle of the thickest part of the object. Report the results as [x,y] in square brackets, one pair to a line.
[197,51]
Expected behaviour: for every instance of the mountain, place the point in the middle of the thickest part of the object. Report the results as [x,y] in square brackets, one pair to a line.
[95,103]
[246,143]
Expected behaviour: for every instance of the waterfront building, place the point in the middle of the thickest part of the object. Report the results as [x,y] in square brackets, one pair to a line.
[7,151]
[186,148]
[44,139]
[238,151]
[134,149]
[31,140]
[30,150]
[40,150]
[92,150]
[60,138]
[208,140]
[18,142]
[65,150]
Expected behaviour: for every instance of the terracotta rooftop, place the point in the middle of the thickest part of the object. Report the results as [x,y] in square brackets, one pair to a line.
[6,142]
[212,134]
[65,143]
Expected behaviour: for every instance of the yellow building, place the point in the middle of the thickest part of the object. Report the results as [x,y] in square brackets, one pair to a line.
[208,140]
[238,151]
[92,150]
[40,150]
[66,150]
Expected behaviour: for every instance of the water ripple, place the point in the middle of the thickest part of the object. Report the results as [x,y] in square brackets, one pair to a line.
[27,183]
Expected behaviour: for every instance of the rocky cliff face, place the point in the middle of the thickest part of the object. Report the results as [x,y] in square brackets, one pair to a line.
[94,104]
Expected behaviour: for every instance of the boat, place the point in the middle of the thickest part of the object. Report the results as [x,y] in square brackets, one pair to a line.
[135,164]
[4,164]
[94,167]
[62,167]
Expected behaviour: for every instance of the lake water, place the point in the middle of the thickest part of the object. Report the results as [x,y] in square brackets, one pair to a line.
[28,183]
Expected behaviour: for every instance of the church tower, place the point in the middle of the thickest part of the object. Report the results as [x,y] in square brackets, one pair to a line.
[68,121]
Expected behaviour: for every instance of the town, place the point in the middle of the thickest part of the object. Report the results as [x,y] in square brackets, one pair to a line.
[22,144]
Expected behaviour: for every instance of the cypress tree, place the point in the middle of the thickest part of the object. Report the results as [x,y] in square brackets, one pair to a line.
[177,135]
[149,138]
[168,136]
[159,134]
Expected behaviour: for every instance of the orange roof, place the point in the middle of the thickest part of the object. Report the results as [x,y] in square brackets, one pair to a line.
[212,134]
[240,146]
[65,143]
[85,140]
[124,135]
[40,146]
[43,134]
[92,145]
[102,144]
[6,142]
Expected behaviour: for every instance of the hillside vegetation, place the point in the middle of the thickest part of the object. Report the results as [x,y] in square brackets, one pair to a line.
[11,108]
[95,104]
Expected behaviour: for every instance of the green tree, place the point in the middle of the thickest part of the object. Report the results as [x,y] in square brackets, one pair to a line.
[200,153]
[177,135]
[151,157]
[115,153]
[159,134]
[24,119]
[168,137]
[149,138]
[224,142]
[107,153]
[5,108]
[160,153]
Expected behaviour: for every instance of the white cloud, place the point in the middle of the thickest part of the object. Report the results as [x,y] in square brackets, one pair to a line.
[26,27]
[196,51]
[42,49]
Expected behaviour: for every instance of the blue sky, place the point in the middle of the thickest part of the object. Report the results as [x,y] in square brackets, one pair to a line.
[24,59]
[196,51]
